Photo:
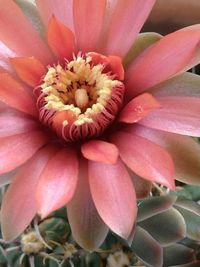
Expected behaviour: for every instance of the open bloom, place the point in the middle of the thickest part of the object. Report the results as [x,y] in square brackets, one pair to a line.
[83,123]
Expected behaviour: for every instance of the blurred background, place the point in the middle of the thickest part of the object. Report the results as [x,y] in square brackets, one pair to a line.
[170,15]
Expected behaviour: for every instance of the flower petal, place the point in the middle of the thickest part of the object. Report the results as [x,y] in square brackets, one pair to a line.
[88,19]
[14,95]
[12,124]
[57,182]
[19,205]
[161,61]
[60,39]
[87,227]
[138,157]
[118,206]
[62,10]
[125,22]
[138,108]
[184,151]
[143,41]
[111,63]
[18,33]
[5,54]
[17,149]
[186,84]
[176,115]
[100,151]
[29,69]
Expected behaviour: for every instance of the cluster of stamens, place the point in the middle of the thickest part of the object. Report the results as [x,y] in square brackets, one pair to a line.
[81,89]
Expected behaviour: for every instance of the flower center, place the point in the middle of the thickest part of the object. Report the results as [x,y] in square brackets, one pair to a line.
[80,98]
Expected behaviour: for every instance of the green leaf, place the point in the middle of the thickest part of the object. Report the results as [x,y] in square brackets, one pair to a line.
[177,254]
[154,205]
[147,248]
[194,191]
[191,213]
[54,229]
[167,227]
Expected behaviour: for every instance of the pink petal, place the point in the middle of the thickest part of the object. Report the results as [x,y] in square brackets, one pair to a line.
[88,229]
[11,124]
[161,61]
[142,42]
[123,23]
[29,69]
[5,53]
[17,149]
[57,182]
[145,158]
[19,34]
[19,205]
[60,39]
[100,151]
[13,94]
[184,151]
[186,84]
[196,56]
[61,9]
[88,19]
[114,196]
[138,108]
[176,115]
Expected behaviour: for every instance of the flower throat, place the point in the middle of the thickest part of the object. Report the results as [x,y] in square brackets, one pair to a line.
[79,99]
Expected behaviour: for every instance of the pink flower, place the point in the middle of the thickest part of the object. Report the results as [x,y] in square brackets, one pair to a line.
[81,113]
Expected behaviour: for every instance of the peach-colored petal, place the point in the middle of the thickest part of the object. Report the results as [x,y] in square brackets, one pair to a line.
[114,196]
[100,151]
[61,9]
[161,61]
[57,182]
[18,33]
[60,39]
[11,124]
[88,20]
[14,95]
[29,69]
[111,63]
[123,23]
[138,108]
[88,229]
[17,149]
[145,158]
[19,205]
[184,150]
[176,115]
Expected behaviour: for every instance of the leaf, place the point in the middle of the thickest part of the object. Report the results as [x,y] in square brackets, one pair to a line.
[177,254]
[147,248]
[191,213]
[54,229]
[194,190]
[153,206]
[167,227]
